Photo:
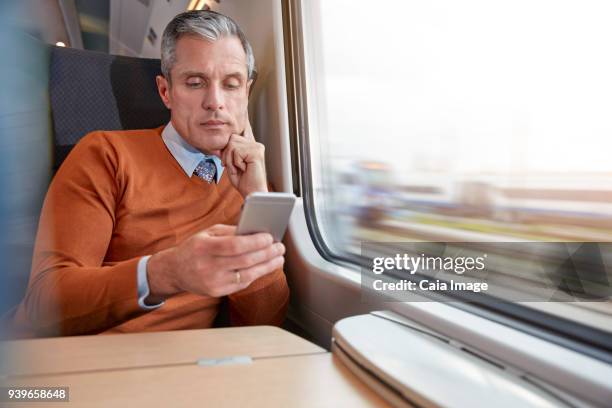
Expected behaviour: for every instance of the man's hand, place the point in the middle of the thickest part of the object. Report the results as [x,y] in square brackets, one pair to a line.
[208,262]
[244,160]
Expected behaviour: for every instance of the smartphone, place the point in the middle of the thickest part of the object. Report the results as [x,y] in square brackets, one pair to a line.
[266,212]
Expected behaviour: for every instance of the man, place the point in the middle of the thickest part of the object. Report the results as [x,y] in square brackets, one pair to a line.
[135,232]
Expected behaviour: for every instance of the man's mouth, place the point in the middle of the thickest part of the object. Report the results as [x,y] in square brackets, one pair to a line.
[213,123]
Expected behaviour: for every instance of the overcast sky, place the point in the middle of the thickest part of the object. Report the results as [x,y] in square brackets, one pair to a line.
[468,86]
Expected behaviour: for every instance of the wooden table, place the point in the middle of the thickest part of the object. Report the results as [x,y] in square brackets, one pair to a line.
[161,369]
[118,351]
[314,380]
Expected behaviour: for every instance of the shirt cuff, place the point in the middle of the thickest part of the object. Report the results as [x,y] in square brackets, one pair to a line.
[143,284]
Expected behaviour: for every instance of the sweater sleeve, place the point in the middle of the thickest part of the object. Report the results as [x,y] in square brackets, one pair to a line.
[264,302]
[71,289]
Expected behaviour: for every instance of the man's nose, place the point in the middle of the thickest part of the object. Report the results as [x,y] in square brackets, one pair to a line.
[213,99]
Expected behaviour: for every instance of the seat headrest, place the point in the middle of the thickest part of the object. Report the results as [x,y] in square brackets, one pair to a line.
[95,91]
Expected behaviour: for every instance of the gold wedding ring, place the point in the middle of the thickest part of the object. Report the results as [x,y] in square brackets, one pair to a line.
[238,277]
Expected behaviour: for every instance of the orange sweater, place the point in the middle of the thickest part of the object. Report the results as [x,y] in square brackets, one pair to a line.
[118,196]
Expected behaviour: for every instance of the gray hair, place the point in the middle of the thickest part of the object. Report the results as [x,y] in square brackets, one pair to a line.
[207,24]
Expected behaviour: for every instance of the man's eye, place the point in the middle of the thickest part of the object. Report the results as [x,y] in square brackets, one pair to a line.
[232,85]
[195,84]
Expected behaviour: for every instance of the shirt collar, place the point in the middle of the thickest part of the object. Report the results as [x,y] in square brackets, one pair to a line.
[187,156]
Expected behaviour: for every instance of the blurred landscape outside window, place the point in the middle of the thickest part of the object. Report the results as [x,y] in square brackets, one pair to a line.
[472,121]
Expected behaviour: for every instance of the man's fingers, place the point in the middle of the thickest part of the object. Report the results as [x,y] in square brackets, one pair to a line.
[237,245]
[228,159]
[239,152]
[219,230]
[248,275]
[248,130]
[252,258]
[238,160]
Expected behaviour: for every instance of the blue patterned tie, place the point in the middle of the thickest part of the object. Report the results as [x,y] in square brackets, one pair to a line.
[206,170]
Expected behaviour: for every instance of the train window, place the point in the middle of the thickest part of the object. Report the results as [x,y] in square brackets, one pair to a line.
[464,121]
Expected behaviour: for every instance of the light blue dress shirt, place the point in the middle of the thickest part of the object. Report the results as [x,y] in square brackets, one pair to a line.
[188,157]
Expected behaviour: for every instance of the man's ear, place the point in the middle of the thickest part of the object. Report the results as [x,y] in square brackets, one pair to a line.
[163,87]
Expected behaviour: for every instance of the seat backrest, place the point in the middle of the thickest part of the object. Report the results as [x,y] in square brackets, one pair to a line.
[95,91]
[87,91]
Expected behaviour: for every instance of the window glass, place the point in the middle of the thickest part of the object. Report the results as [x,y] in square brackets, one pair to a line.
[470,121]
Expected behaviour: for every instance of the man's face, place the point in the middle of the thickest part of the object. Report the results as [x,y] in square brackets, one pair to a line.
[208,94]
